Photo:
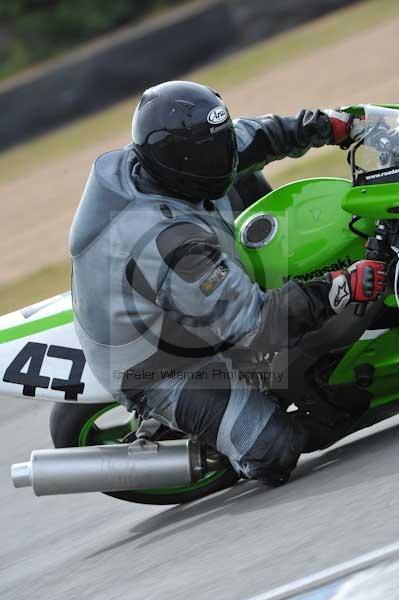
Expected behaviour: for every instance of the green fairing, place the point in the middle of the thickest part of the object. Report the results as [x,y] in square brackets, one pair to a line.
[373,201]
[383,354]
[391,301]
[312,236]
[357,110]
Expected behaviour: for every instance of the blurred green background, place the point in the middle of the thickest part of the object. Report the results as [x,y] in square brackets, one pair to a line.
[34,30]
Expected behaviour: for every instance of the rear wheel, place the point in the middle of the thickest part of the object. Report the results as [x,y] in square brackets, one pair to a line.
[81,425]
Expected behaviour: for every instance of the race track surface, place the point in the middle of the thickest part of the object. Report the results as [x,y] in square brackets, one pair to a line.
[341,503]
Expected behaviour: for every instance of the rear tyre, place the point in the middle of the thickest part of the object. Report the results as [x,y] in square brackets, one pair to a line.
[74,425]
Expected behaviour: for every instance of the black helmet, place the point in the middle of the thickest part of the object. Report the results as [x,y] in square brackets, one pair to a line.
[185,139]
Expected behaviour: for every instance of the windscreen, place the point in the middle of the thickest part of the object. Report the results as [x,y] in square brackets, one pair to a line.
[377,160]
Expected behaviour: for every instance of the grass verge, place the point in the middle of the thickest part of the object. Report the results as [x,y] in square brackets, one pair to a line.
[235,69]
[39,285]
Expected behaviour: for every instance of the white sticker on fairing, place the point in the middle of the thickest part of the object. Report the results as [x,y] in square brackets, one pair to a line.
[217,115]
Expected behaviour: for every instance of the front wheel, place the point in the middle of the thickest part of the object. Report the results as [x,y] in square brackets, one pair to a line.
[82,425]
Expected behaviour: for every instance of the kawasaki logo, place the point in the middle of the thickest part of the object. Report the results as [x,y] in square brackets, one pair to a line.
[342,263]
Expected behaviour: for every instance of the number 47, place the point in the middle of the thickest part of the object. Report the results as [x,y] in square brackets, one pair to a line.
[34,354]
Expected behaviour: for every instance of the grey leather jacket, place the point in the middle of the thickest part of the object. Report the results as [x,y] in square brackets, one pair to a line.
[157,282]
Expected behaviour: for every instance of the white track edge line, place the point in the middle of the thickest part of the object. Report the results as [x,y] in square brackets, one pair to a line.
[329,575]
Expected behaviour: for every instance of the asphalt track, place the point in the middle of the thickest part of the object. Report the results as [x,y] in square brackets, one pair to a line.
[240,543]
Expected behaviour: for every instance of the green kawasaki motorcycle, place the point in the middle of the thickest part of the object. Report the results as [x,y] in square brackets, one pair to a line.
[300,230]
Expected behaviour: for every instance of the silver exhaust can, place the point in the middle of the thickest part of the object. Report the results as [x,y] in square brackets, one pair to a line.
[113,468]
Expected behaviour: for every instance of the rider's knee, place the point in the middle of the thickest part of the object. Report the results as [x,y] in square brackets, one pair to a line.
[275,453]
[260,440]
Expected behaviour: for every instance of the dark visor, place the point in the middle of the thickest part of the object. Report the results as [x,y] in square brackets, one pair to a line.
[214,156]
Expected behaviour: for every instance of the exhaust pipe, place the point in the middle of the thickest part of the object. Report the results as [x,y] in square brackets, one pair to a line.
[113,468]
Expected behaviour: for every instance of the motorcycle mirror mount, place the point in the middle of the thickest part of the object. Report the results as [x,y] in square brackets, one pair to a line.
[351,158]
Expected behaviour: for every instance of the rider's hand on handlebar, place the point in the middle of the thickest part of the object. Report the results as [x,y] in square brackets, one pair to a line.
[346,129]
[363,281]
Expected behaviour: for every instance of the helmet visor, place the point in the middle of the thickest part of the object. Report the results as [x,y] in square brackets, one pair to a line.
[213,156]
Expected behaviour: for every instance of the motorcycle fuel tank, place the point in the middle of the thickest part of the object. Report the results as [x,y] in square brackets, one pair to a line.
[299,230]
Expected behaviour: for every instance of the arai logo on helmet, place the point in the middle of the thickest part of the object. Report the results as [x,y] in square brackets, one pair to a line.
[217,115]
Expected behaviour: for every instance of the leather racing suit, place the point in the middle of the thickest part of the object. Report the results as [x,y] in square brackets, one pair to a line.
[162,303]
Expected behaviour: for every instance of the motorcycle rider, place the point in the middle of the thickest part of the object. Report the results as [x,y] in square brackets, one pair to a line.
[161,300]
